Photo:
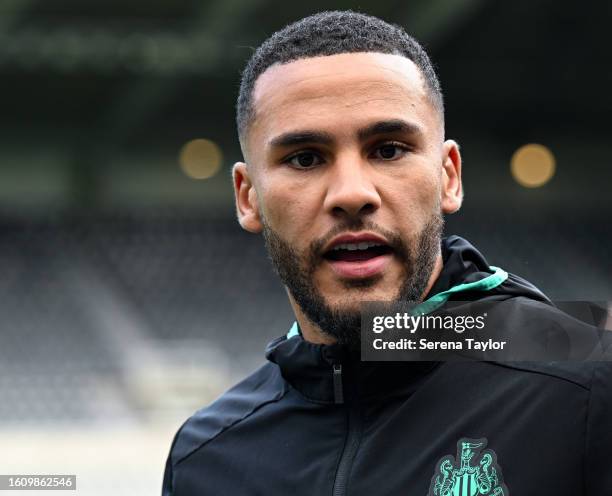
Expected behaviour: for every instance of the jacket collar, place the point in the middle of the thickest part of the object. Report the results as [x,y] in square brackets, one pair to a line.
[332,374]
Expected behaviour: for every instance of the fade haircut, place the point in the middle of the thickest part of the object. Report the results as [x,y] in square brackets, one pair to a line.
[331,33]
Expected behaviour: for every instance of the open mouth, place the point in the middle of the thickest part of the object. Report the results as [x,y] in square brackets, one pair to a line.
[357,252]
[358,256]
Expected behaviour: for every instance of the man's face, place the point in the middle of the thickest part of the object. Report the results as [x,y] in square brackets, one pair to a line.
[348,178]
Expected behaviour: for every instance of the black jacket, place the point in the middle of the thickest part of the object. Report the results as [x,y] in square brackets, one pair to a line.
[403,429]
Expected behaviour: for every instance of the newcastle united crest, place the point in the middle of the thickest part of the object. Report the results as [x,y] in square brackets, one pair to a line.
[474,472]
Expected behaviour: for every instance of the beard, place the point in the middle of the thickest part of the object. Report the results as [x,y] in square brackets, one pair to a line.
[417,257]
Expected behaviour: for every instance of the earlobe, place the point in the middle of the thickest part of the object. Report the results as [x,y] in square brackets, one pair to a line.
[452,186]
[247,206]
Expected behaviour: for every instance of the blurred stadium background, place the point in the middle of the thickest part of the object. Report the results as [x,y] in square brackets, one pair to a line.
[129,296]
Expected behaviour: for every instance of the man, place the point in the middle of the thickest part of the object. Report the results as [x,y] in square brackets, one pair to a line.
[347,174]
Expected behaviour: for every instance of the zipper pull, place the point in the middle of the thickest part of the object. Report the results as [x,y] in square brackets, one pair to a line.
[338,395]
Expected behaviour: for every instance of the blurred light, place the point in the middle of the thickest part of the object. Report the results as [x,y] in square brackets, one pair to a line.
[200,158]
[533,165]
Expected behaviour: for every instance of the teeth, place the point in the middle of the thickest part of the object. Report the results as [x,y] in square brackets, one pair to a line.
[356,246]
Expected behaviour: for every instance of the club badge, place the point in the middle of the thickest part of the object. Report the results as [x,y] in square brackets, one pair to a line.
[473,472]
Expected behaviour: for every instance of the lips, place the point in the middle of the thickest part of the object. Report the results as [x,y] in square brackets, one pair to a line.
[355,239]
[358,255]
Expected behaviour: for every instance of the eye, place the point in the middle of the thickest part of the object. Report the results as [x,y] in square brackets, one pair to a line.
[303,160]
[391,151]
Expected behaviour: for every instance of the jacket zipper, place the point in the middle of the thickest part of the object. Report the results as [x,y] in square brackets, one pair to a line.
[352,440]
[338,394]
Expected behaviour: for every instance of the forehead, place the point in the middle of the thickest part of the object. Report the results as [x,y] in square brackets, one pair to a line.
[340,92]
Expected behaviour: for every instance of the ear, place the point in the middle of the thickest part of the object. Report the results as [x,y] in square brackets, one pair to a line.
[452,188]
[245,195]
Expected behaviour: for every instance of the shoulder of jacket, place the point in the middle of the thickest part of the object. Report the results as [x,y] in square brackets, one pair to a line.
[581,374]
[533,314]
[262,387]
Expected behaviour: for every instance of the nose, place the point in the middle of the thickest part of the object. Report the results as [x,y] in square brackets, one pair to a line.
[351,191]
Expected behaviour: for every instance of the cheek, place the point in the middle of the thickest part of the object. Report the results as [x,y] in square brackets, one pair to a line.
[289,208]
[428,194]
[415,195]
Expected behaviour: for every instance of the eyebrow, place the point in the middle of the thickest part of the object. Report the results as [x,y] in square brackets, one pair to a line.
[388,127]
[380,127]
[301,138]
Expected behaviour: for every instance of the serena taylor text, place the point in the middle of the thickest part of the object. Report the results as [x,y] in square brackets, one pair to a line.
[424,344]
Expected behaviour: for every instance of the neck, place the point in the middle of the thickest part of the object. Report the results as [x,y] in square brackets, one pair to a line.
[313,333]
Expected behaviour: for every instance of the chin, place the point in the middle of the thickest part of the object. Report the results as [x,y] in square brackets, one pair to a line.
[353,300]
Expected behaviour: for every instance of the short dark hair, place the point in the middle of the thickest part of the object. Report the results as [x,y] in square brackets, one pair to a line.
[331,33]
